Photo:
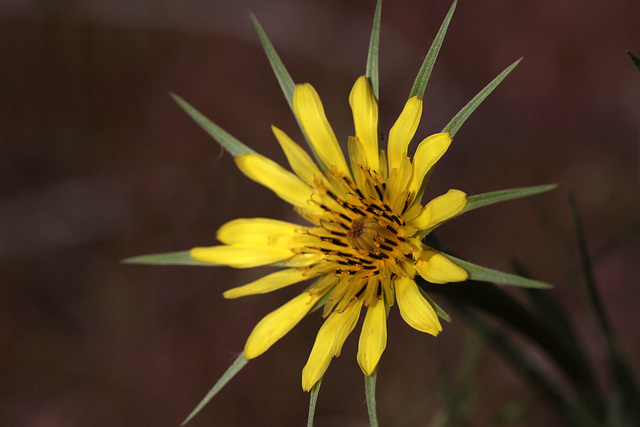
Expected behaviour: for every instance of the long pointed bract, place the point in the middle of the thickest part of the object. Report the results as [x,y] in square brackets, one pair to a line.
[224,138]
[235,367]
[420,84]
[374,49]
[287,84]
[455,123]
[477,272]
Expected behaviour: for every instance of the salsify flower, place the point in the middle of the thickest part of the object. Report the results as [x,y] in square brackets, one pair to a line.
[364,243]
[361,246]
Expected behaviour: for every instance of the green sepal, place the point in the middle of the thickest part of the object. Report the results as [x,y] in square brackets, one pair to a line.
[235,367]
[486,199]
[374,49]
[285,80]
[313,399]
[224,138]
[167,258]
[455,123]
[370,391]
[485,274]
[439,311]
[420,83]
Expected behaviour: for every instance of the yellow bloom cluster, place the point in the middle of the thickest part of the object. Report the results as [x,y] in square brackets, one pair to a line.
[363,245]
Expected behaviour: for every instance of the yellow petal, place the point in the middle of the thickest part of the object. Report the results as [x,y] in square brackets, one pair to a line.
[373,338]
[440,209]
[258,232]
[277,324]
[365,118]
[298,159]
[329,341]
[268,283]
[240,256]
[427,154]
[285,184]
[436,268]
[397,184]
[414,309]
[310,112]
[347,321]
[403,131]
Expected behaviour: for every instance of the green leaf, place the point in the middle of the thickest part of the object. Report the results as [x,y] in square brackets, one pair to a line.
[167,258]
[235,367]
[370,391]
[625,388]
[486,199]
[284,78]
[228,142]
[523,365]
[635,60]
[455,123]
[374,48]
[313,398]
[420,84]
[477,272]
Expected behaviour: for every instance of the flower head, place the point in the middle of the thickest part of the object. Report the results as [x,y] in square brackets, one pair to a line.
[363,244]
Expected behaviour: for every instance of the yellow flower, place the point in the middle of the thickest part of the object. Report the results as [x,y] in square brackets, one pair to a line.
[363,241]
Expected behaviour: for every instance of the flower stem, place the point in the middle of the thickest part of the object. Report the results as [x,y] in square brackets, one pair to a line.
[312,402]
[370,390]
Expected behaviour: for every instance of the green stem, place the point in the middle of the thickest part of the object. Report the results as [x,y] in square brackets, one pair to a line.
[312,402]
[370,390]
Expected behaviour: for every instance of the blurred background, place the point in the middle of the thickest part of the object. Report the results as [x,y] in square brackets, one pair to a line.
[97,164]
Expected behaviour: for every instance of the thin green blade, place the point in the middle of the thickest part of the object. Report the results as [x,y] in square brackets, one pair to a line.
[420,84]
[287,84]
[374,49]
[455,123]
[235,367]
[167,258]
[225,139]
[439,311]
[485,274]
[486,199]
[284,78]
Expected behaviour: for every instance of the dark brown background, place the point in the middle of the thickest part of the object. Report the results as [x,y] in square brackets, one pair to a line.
[97,163]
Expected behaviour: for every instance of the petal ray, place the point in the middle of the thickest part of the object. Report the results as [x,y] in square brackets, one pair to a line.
[373,337]
[268,283]
[310,112]
[403,131]
[298,159]
[285,184]
[258,232]
[436,268]
[277,324]
[365,118]
[440,209]
[329,341]
[427,154]
[240,256]
[414,309]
